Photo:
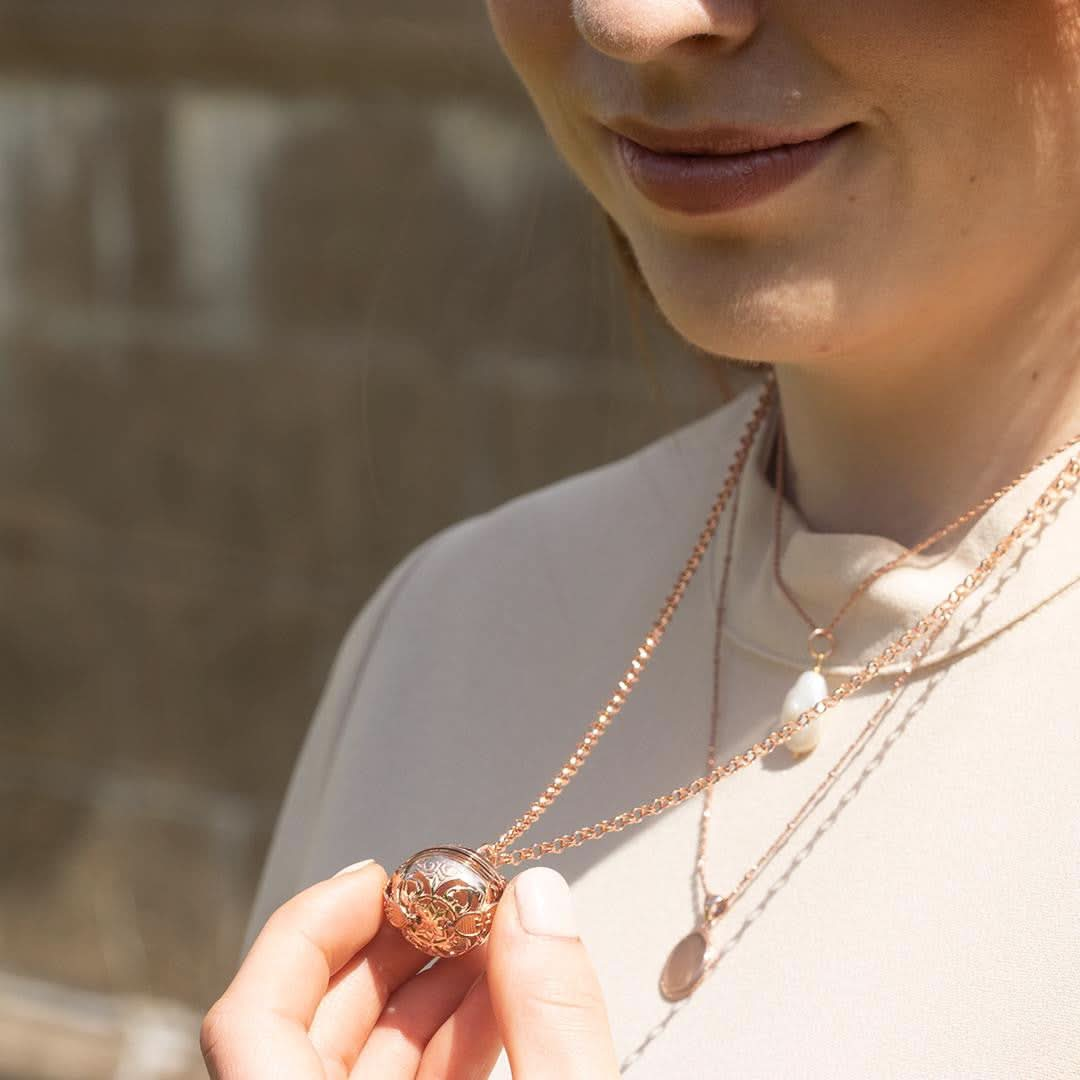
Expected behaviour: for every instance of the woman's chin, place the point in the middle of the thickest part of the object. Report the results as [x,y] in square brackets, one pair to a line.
[782,322]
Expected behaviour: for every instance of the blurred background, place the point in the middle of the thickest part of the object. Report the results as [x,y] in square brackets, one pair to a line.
[284,288]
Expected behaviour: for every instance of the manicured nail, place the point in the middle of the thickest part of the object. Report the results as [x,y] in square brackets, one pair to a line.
[354,866]
[543,903]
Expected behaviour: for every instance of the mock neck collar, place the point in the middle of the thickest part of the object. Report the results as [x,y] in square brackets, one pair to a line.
[823,569]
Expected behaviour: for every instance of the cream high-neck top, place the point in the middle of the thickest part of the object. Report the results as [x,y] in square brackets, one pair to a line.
[924,921]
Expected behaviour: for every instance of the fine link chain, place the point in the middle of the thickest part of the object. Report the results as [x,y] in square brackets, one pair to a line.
[1063,482]
[714,710]
[718,904]
[645,650]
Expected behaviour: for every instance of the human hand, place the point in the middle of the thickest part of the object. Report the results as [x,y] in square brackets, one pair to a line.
[330,991]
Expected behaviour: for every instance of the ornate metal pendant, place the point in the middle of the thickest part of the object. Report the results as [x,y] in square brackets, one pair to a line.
[443,900]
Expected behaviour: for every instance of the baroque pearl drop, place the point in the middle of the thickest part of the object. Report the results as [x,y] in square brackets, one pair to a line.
[810,687]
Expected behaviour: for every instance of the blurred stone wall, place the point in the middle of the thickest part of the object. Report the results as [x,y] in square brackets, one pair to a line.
[283,290]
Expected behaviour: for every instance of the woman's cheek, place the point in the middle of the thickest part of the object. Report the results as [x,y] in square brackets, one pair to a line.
[533,33]
[542,43]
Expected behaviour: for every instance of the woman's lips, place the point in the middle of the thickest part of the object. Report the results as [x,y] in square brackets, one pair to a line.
[706,183]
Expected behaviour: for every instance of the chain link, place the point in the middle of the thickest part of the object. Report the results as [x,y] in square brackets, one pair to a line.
[647,647]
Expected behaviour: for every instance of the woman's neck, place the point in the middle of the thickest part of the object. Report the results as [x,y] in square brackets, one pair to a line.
[899,441]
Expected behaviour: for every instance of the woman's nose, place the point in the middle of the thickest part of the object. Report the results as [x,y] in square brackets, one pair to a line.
[637,31]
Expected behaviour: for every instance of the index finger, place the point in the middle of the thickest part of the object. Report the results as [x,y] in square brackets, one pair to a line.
[289,966]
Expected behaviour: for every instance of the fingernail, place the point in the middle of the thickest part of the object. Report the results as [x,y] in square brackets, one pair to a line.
[354,866]
[543,903]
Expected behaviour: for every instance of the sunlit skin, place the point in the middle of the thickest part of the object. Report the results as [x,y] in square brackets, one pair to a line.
[328,990]
[920,290]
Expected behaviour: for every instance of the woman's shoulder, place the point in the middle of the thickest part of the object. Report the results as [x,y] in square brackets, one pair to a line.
[645,494]
[520,588]
[561,544]
[552,552]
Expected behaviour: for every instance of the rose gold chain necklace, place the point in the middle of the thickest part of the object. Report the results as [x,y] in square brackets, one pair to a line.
[810,687]
[443,899]
[690,961]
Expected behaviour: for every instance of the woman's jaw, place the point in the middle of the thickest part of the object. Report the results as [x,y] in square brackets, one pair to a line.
[936,169]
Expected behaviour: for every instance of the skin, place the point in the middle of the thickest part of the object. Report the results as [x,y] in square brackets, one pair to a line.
[919,293]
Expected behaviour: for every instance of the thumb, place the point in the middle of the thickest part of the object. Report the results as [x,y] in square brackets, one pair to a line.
[544,991]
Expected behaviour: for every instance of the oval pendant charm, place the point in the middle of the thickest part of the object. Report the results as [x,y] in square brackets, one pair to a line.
[810,687]
[443,900]
[685,967]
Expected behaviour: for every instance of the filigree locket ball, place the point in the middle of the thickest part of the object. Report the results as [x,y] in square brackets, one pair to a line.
[443,900]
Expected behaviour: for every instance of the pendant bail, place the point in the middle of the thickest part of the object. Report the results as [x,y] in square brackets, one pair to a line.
[716,908]
[820,645]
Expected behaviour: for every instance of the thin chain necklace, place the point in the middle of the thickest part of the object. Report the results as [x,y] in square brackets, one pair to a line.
[443,899]
[810,687]
[691,960]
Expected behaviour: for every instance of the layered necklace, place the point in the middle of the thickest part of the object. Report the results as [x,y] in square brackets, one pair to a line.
[443,899]
[691,960]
